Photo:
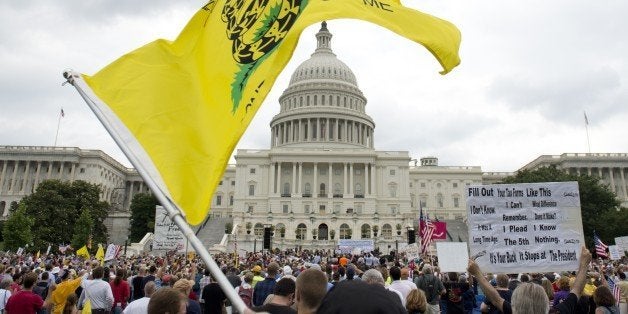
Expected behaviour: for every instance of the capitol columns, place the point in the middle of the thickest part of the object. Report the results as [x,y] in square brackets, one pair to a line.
[330,192]
[300,179]
[315,189]
[345,180]
[272,178]
[294,178]
[367,189]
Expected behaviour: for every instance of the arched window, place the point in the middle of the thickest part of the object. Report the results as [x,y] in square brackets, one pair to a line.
[345,231]
[322,191]
[387,231]
[323,231]
[258,230]
[366,231]
[286,189]
[280,230]
[301,232]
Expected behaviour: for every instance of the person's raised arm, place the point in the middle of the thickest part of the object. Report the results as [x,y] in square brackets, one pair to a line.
[581,276]
[490,292]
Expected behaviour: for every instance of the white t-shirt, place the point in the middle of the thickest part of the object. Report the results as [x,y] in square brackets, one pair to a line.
[4,297]
[139,306]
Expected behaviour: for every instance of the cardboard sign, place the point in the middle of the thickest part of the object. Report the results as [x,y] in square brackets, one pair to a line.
[168,236]
[452,256]
[531,227]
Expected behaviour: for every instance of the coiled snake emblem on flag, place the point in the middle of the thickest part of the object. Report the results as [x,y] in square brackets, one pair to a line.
[255,28]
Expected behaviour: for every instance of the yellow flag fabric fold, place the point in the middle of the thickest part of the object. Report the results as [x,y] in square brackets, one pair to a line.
[185,104]
[100,253]
[82,252]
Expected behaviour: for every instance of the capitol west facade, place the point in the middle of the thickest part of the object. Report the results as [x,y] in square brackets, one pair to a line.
[320,181]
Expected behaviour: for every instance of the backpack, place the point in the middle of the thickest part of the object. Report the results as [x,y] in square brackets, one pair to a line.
[430,286]
[246,295]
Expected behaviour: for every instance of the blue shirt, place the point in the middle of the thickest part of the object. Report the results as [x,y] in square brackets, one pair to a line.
[262,290]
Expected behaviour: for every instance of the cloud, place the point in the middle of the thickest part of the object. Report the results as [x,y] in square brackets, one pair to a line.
[561,99]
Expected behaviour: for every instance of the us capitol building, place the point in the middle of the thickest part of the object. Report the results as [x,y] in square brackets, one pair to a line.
[321,180]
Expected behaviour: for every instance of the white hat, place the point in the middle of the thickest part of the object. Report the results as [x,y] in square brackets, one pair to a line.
[287,270]
[55,270]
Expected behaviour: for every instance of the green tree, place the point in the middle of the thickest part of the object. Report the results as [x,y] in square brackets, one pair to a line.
[17,230]
[142,216]
[82,230]
[55,206]
[598,204]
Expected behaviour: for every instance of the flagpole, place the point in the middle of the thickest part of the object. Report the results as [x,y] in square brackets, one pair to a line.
[172,209]
[58,126]
[586,127]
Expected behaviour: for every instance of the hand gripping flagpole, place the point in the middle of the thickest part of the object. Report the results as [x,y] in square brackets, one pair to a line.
[174,212]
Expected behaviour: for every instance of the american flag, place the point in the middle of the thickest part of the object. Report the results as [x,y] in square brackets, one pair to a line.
[427,230]
[600,247]
[614,290]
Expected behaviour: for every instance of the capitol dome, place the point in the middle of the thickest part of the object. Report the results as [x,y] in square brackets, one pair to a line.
[322,104]
[323,65]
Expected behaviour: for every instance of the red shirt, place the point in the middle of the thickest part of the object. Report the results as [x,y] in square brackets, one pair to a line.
[121,292]
[24,302]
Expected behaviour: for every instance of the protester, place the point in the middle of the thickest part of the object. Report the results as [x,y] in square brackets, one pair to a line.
[505,293]
[98,292]
[416,303]
[214,299]
[67,286]
[373,276]
[140,306]
[359,297]
[529,297]
[432,286]
[71,303]
[265,287]
[311,288]
[137,283]
[121,291]
[25,301]
[5,292]
[604,300]
[282,300]
[167,301]
[185,286]
[402,285]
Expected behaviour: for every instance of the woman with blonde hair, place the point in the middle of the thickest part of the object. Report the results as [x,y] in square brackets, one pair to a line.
[416,303]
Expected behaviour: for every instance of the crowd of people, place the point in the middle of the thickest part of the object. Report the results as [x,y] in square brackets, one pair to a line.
[299,282]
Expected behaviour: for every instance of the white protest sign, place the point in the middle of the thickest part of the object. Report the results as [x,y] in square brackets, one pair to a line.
[622,242]
[167,236]
[412,251]
[530,227]
[349,246]
[112,251]
[452,256]
[615,253]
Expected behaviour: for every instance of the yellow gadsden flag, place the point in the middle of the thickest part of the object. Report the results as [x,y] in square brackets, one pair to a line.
[82,252]
[100,254]
[182,106]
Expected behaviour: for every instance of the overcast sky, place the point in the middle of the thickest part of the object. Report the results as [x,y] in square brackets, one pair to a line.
[529,71]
